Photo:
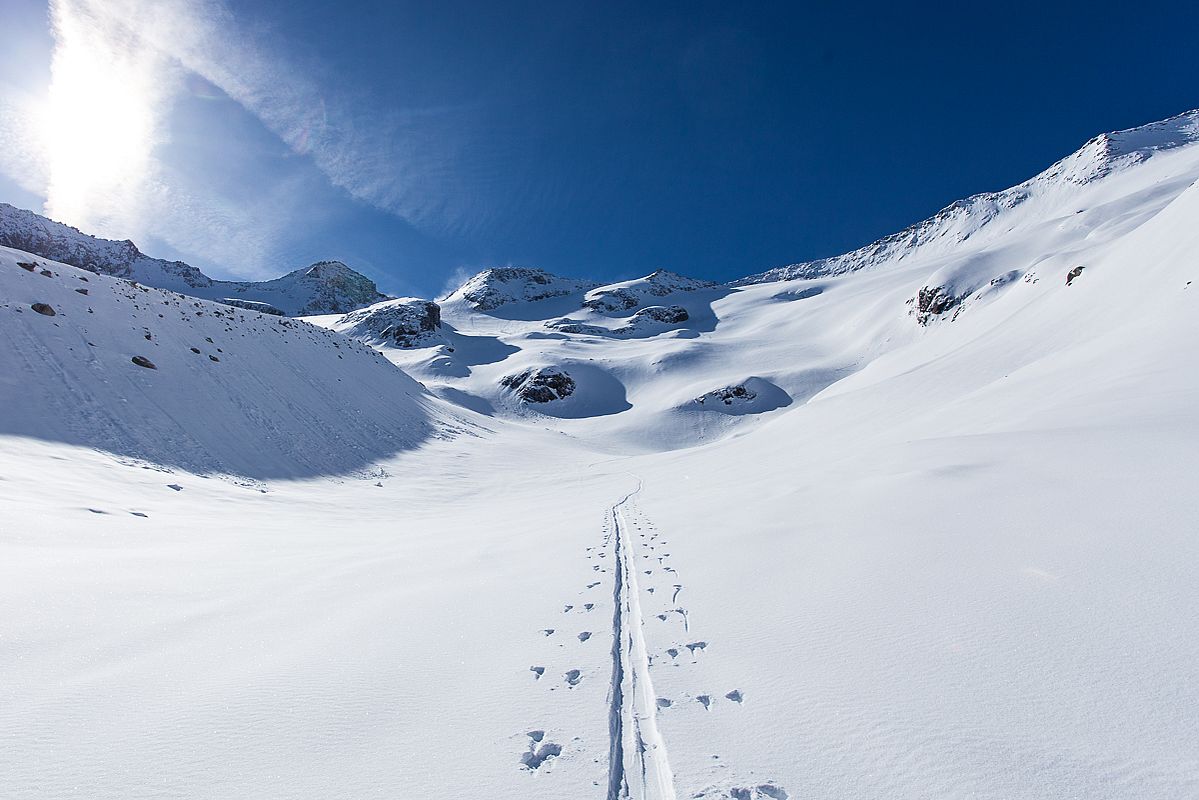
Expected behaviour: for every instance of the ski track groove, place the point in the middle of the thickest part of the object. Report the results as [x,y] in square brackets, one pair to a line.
[638,766]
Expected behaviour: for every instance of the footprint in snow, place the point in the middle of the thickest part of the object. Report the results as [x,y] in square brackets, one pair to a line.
[705,701]
[735,696]
[537,673]
[548,631]
[574,677]
[693,646]
[535,756]
[584,636]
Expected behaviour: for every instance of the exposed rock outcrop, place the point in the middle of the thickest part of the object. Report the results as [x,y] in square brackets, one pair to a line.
[541,385]
[932,301]
[406,322]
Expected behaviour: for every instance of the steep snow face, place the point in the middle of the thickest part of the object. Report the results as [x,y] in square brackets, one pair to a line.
[1105,155]
[503,286]
[166,378]
[326,287]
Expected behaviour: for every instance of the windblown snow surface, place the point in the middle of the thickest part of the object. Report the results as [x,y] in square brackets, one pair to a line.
[920,528]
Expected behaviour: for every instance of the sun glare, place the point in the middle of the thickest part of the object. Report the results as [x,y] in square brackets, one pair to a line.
[98,122]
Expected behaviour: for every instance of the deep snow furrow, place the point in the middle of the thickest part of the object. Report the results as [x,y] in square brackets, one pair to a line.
[616,782]
[638,767]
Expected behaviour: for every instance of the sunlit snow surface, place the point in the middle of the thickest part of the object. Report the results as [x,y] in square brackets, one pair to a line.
[942,560]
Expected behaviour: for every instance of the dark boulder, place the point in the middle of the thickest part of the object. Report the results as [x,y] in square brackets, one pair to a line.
[43,308]
[142,361]
[540,385]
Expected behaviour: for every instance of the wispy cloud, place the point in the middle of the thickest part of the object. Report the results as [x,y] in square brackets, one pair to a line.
[120,66]
[424,165]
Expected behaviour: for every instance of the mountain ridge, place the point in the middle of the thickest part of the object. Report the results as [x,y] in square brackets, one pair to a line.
[1096,159]
[325,287]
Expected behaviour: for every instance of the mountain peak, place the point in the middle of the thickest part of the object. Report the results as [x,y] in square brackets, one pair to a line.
[498,286]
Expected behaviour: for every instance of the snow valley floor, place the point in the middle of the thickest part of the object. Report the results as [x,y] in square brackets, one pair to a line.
[915,522]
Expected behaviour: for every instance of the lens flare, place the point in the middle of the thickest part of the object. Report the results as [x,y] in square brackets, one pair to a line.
[100,118]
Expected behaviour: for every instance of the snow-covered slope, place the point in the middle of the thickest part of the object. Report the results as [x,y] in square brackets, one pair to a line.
[326,287]
[922,530]
[220,390]
[977,216]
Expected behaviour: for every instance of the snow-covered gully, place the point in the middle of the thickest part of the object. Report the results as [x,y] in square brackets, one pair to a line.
[638,764]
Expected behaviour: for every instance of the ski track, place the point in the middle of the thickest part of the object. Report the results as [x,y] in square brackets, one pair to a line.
[638,764]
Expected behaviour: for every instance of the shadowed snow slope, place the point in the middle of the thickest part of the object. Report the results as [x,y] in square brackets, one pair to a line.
[929,534]
[230,391]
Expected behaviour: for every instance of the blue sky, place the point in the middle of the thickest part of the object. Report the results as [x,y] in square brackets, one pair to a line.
[423,141]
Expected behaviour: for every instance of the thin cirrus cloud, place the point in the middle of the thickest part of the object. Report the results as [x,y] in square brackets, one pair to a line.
[108,158]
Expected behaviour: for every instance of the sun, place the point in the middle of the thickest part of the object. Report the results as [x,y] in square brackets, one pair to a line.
[98,122]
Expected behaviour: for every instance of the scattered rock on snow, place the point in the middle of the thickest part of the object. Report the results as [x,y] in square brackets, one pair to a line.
[44,309]
[1072,274]
[568,325]
[726,395]
[142,361]
[610,300]
[668,314]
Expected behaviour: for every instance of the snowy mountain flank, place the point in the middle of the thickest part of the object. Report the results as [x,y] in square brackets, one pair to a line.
[326,287]
[917,521]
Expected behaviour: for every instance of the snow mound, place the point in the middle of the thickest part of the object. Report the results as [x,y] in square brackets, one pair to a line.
[628,295]
[750,396]
[407,322]
[327,287]
[500,286]
[160,377]
[653,319]
[568,325]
